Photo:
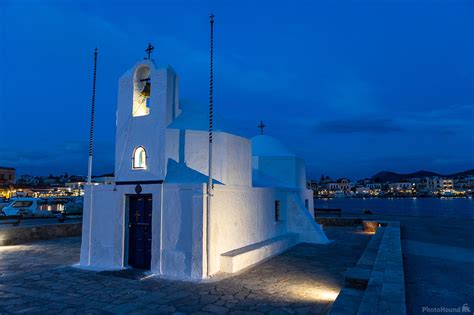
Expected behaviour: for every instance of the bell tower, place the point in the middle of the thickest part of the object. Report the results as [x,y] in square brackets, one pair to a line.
[147,103]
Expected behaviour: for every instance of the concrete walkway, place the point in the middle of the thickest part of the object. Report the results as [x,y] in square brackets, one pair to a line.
[439,264]
[306,279]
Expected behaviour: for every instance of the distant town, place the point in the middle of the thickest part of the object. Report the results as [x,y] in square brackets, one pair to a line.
[383,184]
[390,184]
[45,186]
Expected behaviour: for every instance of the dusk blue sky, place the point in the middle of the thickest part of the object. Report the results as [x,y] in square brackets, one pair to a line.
[353,87]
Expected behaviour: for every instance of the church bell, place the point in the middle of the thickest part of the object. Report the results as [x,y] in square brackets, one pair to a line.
[146,89]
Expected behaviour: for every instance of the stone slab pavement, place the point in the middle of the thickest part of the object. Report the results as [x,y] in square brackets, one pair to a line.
[39,277]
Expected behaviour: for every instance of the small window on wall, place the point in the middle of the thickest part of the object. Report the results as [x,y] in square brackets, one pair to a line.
[306,203]
[139,159]
[277,210]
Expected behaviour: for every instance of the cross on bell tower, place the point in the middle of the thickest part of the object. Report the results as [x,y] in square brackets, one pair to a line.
[149,50]
[261,127]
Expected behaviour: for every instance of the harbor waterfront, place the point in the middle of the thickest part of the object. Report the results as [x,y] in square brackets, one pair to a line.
[417,207]
[237,158]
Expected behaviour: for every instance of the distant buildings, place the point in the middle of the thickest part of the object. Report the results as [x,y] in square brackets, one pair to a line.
[7,179]
[328,187]
[342,184]
[423,187]
[45,186]
[402,188]
[7,175]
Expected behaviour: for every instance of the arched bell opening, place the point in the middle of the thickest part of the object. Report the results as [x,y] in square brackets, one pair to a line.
[141,91]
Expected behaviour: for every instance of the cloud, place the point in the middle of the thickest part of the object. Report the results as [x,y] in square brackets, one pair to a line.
[360,125]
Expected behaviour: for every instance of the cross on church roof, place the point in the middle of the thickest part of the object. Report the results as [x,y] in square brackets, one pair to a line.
[261,126]
[149,49]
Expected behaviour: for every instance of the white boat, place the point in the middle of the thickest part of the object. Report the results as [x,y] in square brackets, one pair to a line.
[447,193]
[28,207]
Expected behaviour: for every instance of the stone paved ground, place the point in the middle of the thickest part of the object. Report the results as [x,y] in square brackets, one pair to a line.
[38,278]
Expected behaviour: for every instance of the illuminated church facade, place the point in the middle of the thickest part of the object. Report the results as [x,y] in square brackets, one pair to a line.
[155,215]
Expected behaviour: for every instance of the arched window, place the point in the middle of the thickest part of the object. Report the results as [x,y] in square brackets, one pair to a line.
[139,159]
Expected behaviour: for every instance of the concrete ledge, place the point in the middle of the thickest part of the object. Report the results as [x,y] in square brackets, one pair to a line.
[377,284]
[385,293]
[244,257]
[23,234]
[367,259]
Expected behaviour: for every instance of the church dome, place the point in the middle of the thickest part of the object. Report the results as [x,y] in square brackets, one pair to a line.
[264,145]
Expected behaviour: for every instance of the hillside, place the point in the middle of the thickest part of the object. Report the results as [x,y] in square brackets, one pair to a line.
[387,176]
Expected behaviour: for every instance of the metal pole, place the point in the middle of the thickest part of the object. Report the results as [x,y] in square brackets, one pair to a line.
[209,184]
[89,170]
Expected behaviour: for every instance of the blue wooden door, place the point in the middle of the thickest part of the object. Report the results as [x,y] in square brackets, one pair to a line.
[139,236]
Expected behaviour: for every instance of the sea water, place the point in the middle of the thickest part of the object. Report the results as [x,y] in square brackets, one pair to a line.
[420,207]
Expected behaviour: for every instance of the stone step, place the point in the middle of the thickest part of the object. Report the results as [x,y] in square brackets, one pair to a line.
[357,278]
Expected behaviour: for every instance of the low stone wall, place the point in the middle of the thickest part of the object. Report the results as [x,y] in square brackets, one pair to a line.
[368,224]
[385,293]
[376,285]
[22,234]
[338,221]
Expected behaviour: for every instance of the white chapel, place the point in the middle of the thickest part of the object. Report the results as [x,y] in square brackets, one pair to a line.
[155,215]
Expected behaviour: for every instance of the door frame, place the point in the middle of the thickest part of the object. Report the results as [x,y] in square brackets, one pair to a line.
[126,221]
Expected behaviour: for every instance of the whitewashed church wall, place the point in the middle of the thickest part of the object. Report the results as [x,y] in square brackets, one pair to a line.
[109,238]
[243,216]
[231,155]
[301,217]
[172,96]
[100,219]
[183,230]
[239,161]
[84,258]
